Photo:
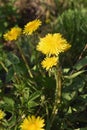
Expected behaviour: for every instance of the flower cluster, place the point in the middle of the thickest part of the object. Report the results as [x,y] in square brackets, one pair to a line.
[52,45]
[15,32]
[32,123]
[2,114]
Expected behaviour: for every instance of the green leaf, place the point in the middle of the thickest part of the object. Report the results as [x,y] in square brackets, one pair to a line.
[8,62]
[68,96]
[32,104]
[9,104]
[13,58]
[10,74]
[75,74]
[35,95]
[81,63]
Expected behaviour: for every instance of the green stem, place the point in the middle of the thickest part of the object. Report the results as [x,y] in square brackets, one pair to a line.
[3,66]
[57,95]
[25,61]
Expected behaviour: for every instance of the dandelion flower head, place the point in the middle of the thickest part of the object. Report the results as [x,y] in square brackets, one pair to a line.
[32,26]
[2,114]
[49,62]
[53,44]
[32,123]
[13,34]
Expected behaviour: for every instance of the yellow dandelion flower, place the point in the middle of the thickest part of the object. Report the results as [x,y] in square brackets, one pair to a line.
[32,26]
[2,114]
[13,34]
[53,44]
[49,62]
[32,123]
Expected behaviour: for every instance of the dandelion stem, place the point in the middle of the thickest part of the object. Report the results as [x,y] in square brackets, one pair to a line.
[25,61]
[57,95]
[2,64]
